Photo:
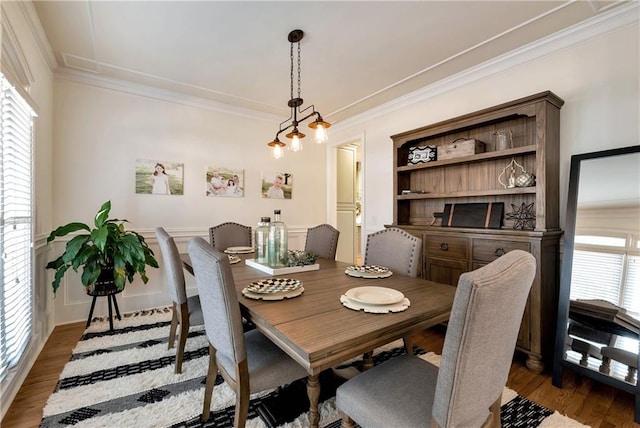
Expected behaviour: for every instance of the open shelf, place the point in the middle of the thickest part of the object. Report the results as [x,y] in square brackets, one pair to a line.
[501,154]
[469,193]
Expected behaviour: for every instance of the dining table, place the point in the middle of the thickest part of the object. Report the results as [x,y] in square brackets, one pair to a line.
[319,332]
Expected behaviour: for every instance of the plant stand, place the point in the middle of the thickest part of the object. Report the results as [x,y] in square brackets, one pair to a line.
[109,290]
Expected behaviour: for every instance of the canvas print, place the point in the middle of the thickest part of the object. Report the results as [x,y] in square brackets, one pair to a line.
[224,182]
[277,185]
[159,177]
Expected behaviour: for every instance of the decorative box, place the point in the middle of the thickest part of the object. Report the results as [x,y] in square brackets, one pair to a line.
[460,147]
[421,154]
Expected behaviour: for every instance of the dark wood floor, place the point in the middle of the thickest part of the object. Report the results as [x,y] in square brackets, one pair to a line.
[589,402]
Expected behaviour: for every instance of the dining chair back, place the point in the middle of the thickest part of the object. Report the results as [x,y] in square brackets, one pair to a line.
[395,249]
[322,240]
[466,389]
[230,234]
[249,362]
[186,310]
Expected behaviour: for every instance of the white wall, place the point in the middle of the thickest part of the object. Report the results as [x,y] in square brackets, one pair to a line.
[597,77]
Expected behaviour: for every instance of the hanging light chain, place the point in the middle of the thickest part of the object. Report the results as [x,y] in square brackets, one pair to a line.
[291,71]
[299,78]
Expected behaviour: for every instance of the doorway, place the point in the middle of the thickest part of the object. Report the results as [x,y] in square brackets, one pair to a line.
[348,208]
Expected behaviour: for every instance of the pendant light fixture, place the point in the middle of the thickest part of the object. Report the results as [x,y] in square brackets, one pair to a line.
[319,126]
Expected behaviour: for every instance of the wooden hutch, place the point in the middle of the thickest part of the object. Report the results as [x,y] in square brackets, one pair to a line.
[534,123]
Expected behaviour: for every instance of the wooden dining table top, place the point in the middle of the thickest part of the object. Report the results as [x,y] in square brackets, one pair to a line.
[319,332]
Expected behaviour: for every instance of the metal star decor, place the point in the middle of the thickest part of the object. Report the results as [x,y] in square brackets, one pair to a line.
[524,216]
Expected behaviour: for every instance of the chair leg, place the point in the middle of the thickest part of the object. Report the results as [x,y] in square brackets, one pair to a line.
[182,340]
[212,372]
[367,360]
[174,326]
[493,420]
[242,395]
[605,367]
[408,344]
[93,305]
[347,422]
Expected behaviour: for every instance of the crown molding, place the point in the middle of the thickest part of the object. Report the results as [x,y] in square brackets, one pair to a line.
[91,79]
[615,19]
[31,16]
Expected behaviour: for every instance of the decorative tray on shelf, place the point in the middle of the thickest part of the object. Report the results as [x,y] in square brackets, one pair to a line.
[280,271]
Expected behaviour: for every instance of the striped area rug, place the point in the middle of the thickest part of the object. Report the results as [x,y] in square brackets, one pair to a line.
[126,378]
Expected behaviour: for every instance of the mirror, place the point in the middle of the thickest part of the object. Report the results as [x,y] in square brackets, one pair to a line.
[598,328]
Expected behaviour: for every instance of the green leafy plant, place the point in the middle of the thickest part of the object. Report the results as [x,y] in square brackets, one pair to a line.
[106,247]
[300,258]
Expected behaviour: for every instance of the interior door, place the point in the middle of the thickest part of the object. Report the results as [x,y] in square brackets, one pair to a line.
[346,203]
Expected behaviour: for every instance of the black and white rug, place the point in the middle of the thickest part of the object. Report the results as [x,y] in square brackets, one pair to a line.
[126,378]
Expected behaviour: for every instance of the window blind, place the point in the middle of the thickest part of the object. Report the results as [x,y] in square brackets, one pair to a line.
[16,295]
[597,275]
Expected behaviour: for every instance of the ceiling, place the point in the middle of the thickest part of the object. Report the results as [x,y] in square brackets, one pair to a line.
[355,55]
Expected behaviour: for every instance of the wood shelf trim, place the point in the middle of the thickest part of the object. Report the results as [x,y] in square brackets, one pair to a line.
[470,193]
[523,106]
[472,158]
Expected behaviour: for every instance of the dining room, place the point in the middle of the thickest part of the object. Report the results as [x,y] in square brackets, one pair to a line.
[110,125]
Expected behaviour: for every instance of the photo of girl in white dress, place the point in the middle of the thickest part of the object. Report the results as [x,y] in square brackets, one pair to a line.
[160,181]
[159,177]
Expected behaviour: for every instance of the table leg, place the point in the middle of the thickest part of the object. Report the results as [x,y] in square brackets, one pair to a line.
[313,391]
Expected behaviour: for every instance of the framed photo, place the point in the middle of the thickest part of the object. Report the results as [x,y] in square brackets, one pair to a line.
[224,182]
[155,177]
[277,185]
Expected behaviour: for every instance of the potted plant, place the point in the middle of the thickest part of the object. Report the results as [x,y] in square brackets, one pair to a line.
[107,254]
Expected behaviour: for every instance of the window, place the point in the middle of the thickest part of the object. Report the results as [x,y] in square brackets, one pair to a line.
[16,119]
[608,268]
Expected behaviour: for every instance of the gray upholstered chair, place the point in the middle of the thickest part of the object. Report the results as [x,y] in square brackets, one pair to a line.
[322,240]
[230,234]
[186,310]
[395,249]
[466,390]
[399,251]
[249,362]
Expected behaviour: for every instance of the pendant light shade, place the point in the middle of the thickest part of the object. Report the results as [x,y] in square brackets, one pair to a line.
[277,148]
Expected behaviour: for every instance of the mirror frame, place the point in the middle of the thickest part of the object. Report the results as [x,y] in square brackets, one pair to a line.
[559,362]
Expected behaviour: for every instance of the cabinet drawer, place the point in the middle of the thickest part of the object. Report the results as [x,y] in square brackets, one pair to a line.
[488,250]
[446,246]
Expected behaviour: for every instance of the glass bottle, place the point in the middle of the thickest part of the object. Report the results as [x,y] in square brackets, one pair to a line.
[261,240]
[278,244]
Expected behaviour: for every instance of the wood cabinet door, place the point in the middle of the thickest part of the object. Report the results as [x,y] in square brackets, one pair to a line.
[445,271]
